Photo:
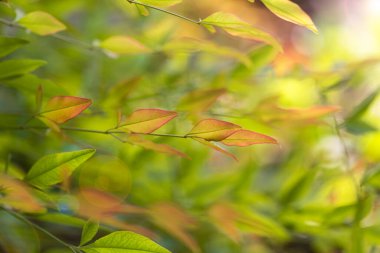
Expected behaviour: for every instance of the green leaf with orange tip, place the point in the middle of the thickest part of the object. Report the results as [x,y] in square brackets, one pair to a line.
[41,23]
[244,138]
[200,100]
[146,121]
[124,45]
[237,27]
[52,169]
[213,130]
[60,109]
[18,195]
[291,12]
[162,148]
[215,147]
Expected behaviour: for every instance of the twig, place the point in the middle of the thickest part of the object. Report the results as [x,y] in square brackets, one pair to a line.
[41,229]
[166,11]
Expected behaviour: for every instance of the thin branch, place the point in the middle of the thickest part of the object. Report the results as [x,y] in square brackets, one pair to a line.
[41,229]
[166,11]
[74,129]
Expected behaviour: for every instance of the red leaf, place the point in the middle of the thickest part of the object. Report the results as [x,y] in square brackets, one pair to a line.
[244,138]
[213,130]
[63,108]
[146,121]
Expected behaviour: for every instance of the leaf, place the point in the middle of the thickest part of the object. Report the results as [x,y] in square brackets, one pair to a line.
[244,138]
[146,121]
[213,130]
[60,109]
[160,3]
[179,225]
[362,107]
[142,10]
[291,12]
[237,27]
[124,45]
[18,67]
[190,45]
[215,147]
[41,23]
[51,169]
[200,100]
[123,241]
[39,96]
[90,229]
[16,194]
[10,44]
[163,148]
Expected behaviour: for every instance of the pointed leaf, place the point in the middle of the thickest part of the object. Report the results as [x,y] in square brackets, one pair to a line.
[213,130]
[362,107]
[123,45]
[51,169]
[160,3]
[215,147]
[90,229]
[18,67]
[237,27]
[146,121]
[162,148]
[291,12]
[9,45]
[63,108]
[244,138]
[123,241]
[41,23]
[200,100]
[142,10]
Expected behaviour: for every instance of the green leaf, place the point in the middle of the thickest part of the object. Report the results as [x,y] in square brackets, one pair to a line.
[18,67]
[291,12]
[123,241]
[361,108]
[9,45]
[237,27]
[41,23]
[213,130]
[124,45]
[90,229]
[52,169]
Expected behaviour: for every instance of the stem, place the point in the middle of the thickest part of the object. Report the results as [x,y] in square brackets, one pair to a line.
[166,11]
[106,132]
[41,229]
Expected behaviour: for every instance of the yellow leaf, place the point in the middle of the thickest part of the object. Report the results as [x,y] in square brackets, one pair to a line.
[291,12]
[41,23]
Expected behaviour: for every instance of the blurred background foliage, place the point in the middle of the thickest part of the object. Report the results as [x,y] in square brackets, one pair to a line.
[316,192]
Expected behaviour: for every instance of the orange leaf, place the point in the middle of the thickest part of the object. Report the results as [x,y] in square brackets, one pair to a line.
[213,130]
[163,148]
[244,138]
[146,121]
[17,195]
[215,147]
[176,222]
[60,109]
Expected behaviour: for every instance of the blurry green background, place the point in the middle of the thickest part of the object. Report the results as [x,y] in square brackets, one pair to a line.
[315,192]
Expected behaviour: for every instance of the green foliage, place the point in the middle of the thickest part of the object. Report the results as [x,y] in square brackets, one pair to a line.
[132,126]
